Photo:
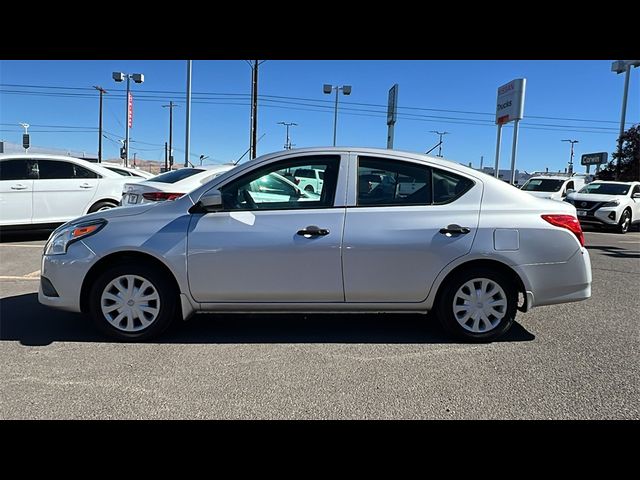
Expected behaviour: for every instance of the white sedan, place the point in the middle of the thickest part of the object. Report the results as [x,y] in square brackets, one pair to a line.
[38,190]
[170,185]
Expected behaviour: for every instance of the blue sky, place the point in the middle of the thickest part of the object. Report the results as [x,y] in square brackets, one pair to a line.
[581,98]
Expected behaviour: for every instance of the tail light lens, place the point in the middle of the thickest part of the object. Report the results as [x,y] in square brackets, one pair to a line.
[161,196]
[567,221]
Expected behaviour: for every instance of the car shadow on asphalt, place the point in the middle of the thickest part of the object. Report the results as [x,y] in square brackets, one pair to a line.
[24,320]
[616,252]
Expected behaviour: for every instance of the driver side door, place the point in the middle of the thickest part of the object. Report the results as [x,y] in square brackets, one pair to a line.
[262,246]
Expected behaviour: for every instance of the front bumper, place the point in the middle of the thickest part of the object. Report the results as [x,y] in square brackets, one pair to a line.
[65,273]
[551,283]
[607,216]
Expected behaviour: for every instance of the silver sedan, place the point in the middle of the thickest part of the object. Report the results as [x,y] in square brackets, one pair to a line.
[427,235]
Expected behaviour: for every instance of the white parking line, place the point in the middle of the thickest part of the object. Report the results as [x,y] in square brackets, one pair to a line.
[22,246]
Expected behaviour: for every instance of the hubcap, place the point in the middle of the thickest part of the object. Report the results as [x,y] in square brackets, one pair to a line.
[130,303]
[479,305]
[102,209]
[625,222]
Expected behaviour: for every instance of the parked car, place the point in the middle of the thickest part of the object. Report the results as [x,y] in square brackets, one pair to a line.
[46,190]
[127,171]
[608,204]
[466,250]
[309,179]
[555,187]
[170,185]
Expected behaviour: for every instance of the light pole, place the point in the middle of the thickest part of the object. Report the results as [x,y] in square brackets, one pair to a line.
[287,142]
[138,78]
[327,89]
[202,158]
[25,136]
[571,158]
[619,67]
[102,91]
[441,134]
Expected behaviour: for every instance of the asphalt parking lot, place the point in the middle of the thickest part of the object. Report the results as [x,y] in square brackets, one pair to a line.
[572,361]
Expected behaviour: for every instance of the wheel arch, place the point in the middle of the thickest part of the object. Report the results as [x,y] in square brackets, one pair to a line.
[107,199]
[494,265]
[121,257]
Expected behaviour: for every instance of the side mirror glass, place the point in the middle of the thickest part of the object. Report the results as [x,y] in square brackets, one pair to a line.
[636,195]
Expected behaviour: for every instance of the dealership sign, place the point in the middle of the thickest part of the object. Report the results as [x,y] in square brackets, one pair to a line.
[510,102]
[594,158]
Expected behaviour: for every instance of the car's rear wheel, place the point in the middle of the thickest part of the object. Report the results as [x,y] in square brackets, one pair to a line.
[625,222]
[309,189]
[102,205]
[132,302]
[478,305]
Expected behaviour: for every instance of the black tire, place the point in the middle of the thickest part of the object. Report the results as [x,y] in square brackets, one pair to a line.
[167,303]
[309,189]
[102,205]
[624,223]
[445,304]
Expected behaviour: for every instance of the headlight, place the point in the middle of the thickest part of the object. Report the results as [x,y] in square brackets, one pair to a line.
[67,234]
[612,203]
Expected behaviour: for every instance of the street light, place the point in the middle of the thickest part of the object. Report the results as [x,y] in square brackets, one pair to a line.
[619,67]
[441,134]
[346,90]
[138,78]
[202,158]
[287,142]
[571,158]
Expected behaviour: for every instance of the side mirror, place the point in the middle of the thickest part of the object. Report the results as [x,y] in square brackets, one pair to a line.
[211,201]
[635,195]
[570,190]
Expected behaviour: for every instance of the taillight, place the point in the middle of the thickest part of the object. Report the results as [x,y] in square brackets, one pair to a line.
[566,221]
[161,196]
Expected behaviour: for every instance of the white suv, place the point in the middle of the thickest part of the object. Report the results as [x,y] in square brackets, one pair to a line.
[609,204]
[44,190]
[555,187]
[309,179]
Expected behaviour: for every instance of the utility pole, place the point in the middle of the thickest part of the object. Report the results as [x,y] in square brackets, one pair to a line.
[102,91]
[188,129]
[134,158]
[571,157]
[287,142]
[440,144]
[621,66]
[481,161]
[170,107]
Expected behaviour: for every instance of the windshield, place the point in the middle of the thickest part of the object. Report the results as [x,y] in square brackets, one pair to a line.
[543,185]
[606,188]
[177,175]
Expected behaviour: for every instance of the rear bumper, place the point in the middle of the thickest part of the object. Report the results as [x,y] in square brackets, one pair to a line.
[552,283]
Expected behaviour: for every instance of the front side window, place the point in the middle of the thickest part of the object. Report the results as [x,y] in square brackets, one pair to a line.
[268,189]
[636,189]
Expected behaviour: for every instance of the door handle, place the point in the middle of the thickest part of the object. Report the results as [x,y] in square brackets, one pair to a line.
[18,186]
[454,229]
[86,185]
[313,231]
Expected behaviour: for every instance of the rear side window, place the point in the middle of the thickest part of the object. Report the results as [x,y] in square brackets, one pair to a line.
[386,182]
[14,170]
[81,172]
[448,186]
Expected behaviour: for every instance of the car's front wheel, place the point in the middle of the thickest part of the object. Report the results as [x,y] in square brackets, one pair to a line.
[478,304]
[132,302]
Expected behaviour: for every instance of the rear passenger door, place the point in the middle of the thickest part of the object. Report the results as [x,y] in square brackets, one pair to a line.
[63,191]
[16,191]
[393,247]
